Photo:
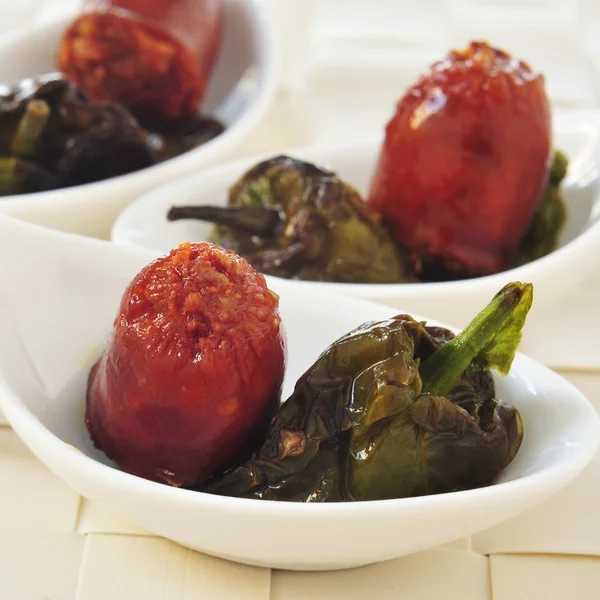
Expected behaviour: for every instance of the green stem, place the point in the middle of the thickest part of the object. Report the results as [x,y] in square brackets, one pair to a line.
[8,169]
[442,370]
[252,219]
[560,166]
[30,128]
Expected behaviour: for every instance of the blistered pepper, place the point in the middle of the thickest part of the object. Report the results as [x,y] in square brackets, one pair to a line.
[394,409]
[292,219]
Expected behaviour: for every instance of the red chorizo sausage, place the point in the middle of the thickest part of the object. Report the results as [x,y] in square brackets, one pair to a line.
[192,376]
[464,163]
[153,56]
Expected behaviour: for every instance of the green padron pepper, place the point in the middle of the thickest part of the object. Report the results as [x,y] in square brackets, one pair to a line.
[292,219]
[550,217]
[394,409]
[52,136]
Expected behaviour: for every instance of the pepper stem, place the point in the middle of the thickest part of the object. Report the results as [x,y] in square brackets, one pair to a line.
[560,166]
[490,340]
[8,172]
[257,220]
[30,128]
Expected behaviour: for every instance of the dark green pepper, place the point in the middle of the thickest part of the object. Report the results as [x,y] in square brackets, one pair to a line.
[292,219]
[19,176]
[52,136]
[47,123]
[394,409]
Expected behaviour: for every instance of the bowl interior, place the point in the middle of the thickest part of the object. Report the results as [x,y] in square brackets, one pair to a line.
[143,223]
[51,341]
[234,84]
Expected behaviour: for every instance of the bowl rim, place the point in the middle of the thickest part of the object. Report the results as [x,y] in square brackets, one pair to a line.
[28,427]
[261,20]
[580,246]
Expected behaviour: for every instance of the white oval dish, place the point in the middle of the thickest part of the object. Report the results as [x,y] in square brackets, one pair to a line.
[143,223]
[57,305]
[240,92]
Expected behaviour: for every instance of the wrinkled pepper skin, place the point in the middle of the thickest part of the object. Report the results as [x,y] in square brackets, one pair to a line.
[464,164]
[192,376]
[52,136]
[307,224]
[60,139]
[373,418]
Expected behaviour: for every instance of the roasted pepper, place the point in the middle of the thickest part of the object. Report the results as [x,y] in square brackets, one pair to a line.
[52,136]
[292,219]
[394,409]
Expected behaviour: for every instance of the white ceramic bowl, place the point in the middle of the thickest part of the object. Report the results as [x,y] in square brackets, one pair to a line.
[240,92]
[59,296]
[143,223]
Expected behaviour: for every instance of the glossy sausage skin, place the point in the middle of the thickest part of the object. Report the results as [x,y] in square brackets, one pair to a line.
[153,56]
[464,163]
[193,373]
